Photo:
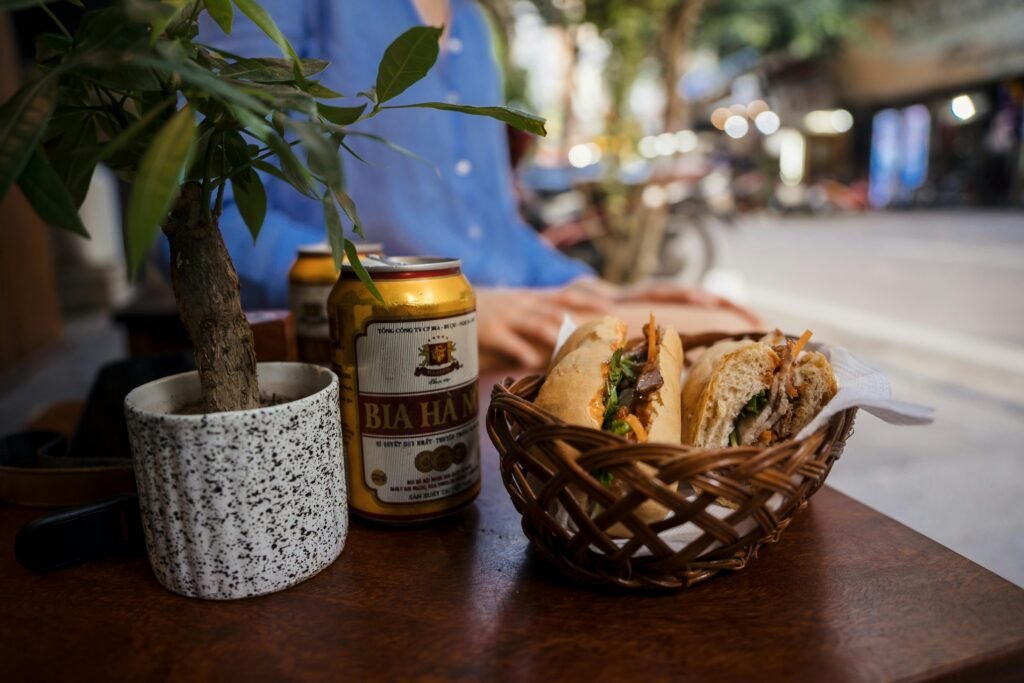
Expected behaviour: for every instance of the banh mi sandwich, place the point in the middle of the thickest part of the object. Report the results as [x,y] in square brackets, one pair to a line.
[630,389]
[742,393]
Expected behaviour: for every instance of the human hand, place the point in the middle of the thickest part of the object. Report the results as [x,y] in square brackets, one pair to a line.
[690,296]
[519,327]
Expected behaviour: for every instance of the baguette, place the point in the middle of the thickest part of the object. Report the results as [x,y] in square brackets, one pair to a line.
[587,385]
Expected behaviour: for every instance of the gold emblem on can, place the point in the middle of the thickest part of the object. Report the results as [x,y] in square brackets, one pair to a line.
[425,461]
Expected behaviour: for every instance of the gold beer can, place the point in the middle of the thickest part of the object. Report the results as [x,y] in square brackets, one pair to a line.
[310,281]
[408,371]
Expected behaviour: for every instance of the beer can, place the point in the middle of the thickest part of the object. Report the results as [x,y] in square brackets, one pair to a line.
[310,281]
[408,371]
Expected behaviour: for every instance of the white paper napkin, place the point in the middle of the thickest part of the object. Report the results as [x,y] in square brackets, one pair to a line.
[867,388]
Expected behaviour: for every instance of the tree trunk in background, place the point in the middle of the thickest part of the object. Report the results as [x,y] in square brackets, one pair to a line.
[568,83]
[29,308]
[206,289]
[675,41]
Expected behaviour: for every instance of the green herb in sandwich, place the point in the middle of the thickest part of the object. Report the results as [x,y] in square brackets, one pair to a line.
[620,367]
[755,405]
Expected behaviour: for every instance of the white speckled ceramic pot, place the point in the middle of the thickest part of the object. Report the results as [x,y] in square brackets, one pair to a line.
[240,503]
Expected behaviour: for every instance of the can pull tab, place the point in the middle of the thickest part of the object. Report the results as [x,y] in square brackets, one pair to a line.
[109,527]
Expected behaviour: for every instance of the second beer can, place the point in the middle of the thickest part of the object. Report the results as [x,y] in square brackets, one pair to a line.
[310,281]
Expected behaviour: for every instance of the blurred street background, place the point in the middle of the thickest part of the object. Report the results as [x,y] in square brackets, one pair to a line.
[854,167]
[847,166]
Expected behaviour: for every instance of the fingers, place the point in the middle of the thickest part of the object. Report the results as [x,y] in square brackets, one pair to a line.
[596,287]
[543,332]
[672,294]
[519,350]
[682,295]
[581,300]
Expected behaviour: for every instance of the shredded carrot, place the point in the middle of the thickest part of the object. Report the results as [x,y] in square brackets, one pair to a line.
[652,339]
[801,342]
[766,436]
[795,348]
[638,429]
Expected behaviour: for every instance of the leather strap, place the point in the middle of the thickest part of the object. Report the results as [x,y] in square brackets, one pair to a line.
[109,527]
[35,470]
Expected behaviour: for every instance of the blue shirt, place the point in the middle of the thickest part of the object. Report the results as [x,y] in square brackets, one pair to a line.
[461,206]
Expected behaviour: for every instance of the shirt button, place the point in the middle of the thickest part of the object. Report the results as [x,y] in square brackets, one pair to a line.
[452,97]
[475,232]
[463,167]
[454,46]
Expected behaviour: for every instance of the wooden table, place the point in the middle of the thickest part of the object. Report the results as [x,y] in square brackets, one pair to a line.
[847,594]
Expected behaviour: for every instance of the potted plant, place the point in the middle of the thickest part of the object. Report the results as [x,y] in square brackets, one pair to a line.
[238,497]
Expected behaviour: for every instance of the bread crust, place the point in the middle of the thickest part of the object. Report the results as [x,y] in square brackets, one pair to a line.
[817,384]
[574,389]
[665,409]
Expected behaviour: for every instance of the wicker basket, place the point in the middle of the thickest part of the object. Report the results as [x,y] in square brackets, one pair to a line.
[763,487]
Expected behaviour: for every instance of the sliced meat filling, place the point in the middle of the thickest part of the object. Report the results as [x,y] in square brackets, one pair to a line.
[769,414]
[633,376]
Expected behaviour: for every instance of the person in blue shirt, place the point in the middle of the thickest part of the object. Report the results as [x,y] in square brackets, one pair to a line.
[461,204]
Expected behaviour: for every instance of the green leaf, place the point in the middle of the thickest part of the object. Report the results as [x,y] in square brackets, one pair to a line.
[396,147]
[348,205]
[357,266]
[205,147]
[73,155]
[341,116]
[513,117]
[317,89]
[166,12]
[604,476]
[109,149]
[114,28]
[406,60]
[221,12]
[51,45]
[322,154]
[353,152]
[251,198]
[370,94]
[270,169]
[45,191]
[620,427]
[261,18]
[295,173]
[22,122]
[124,76]
[157,184]
[335,233]
[281,96]
[271,69]
[201,79]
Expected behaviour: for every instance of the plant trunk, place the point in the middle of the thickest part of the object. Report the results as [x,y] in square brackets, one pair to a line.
[206,289]
[675,42]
